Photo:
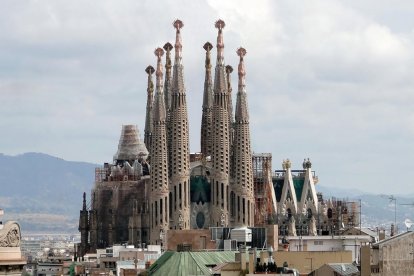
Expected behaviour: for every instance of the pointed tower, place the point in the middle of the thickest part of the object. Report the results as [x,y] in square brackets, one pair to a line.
[180,155]
[168,79]
[207,117]
[242,185]
[221,139]
[84,228]
[308,203]
[229,70]
[159,217]
[288,204]
[167,96]
[150,98]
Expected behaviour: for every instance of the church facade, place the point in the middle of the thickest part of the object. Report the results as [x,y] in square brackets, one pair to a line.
[156,185]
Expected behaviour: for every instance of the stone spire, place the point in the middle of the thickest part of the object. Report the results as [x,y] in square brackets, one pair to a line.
[243,182]
[167,83]
[220,41]
[84,202]
[179,163]
[150,100]
[229,70]
[206,121]
[84,228]
[167,96]
[221,139]
[159,215]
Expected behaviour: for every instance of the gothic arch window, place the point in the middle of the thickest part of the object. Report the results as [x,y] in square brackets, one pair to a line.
[330,213]
[289,213]
[309,213]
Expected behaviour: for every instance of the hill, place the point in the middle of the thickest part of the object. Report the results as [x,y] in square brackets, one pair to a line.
[42,192]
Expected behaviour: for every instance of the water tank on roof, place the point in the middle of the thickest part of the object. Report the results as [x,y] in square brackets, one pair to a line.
[242,234]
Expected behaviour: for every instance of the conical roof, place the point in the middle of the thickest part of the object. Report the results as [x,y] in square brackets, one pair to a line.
[130,146]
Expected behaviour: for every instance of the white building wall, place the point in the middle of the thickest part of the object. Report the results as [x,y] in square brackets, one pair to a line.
[329,243]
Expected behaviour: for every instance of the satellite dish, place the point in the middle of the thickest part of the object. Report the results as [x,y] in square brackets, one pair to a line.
[408,223]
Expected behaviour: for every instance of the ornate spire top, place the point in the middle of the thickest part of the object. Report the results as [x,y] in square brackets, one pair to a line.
[159,52]
[178,24]
[286,164]
[306,164]
[207,46]
[168,47]
[150,70]
[241,52]
[220,42]
[229,70]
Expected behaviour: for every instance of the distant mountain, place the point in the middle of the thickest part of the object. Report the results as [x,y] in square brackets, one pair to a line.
[42,192]
[378,210]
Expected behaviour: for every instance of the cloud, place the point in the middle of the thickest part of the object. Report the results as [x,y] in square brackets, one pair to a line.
[329,80]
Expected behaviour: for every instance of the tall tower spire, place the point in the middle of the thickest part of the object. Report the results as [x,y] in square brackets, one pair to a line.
[150,99]
[84,227]
[207,119]
[159,214]
[179,158]
[243,184]
[221,139]
[167,84]
[229,70]
[220,41]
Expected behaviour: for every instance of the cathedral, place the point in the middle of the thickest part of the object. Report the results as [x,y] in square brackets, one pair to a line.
[156,185]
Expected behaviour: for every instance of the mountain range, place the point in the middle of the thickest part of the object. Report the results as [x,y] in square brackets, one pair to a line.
[44,194]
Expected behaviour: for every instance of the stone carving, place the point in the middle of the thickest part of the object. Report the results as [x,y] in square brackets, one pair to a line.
[292,227]
[306,164]
[312,227]
[10,235]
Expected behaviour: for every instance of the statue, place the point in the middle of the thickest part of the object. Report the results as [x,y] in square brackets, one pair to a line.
[180,221]
[292,227]
[312,227]
[10,235]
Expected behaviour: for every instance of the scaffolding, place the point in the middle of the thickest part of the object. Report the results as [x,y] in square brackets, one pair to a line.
[261,162]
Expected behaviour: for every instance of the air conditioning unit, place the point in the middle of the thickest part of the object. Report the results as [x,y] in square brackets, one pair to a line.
[230,245]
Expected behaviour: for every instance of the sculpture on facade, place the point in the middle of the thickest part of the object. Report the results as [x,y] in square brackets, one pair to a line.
[10,235]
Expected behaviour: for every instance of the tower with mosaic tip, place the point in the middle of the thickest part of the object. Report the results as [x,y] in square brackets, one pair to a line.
[159,215]
[179,159]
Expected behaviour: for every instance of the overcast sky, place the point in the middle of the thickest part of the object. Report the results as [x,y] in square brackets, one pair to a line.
[326,79]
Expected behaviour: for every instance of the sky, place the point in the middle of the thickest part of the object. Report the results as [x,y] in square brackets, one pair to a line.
[328,80]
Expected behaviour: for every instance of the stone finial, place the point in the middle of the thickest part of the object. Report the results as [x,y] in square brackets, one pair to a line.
[229,69]
[220,41]
[159,52]
[150,70]
[178,24]
[307,164]
[208,46]
[286,164]
[168,47]
[241,52]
